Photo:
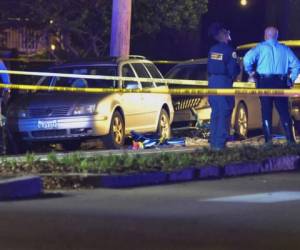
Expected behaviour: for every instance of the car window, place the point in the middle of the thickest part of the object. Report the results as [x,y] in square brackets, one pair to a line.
[182,72]
[20,65]
[154,73]
[143,73]
[153,70]
[87,83]
[45,81]
[199,72]
[128,72]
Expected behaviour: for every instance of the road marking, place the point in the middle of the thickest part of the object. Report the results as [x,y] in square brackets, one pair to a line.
[272,197]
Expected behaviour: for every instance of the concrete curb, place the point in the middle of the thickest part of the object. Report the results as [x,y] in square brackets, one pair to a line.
[209,172]
[21,188]
[278,164]
[133,180]
[242,169]
[186,174]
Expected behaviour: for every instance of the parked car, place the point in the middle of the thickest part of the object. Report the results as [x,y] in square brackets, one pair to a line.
[295,101]
[70,118]
[246,114]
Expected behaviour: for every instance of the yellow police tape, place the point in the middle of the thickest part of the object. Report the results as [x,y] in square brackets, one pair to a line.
[167,62]
[290,43]
[243,88]
[197,83]
[111,78]
[182,92]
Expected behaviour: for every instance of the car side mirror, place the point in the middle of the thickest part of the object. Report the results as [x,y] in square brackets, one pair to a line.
[131,85]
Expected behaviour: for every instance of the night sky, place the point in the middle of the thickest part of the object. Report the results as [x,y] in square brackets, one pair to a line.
[246,23]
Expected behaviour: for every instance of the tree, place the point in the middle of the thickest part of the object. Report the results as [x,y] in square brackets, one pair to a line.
[81,28]
[150,16]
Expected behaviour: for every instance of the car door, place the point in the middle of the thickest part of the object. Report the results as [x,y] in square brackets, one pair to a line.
[252,104]
[150,102]
[161,99]
[132,103]
[203,109]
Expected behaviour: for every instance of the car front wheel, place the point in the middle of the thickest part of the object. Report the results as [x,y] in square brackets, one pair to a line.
[116,137]
[241,121]
[164,126]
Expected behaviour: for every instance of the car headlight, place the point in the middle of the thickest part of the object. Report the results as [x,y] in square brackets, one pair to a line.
[84,109]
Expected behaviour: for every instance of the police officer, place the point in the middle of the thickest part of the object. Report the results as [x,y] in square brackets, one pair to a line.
[4,95]
[274,65]
[223,68]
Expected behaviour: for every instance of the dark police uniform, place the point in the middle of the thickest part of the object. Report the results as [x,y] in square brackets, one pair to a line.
[275,65]
[223,68]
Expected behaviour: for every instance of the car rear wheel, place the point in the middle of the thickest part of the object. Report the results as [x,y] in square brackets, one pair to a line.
[164,126]
[116,137]
[241,122]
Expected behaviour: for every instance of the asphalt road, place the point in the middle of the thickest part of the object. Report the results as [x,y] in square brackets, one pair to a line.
[181,216]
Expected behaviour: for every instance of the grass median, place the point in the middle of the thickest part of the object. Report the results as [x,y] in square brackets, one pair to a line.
[78,165]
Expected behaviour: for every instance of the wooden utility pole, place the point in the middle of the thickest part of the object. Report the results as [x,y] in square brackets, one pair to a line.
[120,28]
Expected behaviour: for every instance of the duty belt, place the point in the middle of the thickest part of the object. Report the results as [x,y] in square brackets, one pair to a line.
[277,76]
[217,74]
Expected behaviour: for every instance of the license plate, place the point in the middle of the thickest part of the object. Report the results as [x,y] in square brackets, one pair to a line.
[53,124]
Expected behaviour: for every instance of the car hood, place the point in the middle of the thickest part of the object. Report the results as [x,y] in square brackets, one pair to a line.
[54,99]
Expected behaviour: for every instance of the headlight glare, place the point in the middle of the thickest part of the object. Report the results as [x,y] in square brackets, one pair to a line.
[84,109]
[22,113]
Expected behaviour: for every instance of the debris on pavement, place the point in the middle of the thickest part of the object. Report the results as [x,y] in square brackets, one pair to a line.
[141,141]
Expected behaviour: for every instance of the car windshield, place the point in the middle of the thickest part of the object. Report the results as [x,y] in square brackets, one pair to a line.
[101,70]
[36,66]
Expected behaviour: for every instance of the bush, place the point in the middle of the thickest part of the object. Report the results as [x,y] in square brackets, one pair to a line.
[77,163]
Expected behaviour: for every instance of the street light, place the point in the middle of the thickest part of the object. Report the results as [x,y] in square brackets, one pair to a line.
[244,2]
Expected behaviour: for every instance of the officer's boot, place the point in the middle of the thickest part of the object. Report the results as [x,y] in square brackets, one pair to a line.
[289,132]
[267,132]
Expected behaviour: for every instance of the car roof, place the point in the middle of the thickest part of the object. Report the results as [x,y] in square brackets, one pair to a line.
[187,63]
[83,64]
[110,62]
[192,61]
[290,43]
